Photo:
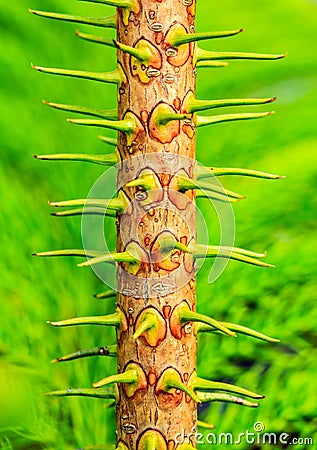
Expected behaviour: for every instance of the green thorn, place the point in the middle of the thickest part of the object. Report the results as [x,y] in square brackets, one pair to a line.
[133,377]
[109,350]
[114,320]
[105,160]
[186,315]
[218,397]
[115,204]
[107,22]
[128,6]
[84,392]
[179,385]
[164,119]
[195,37]
[205,425]
[239,329]
[106,294]
[238,254]
[103,113]
[145,182]
[201,384]
[117,3]
[205,172]
[97,39]
[143,56]
[84,212]
[214,248]
[125,126]
[121,446]
[151,326]
[151,440]
[206,55]
[170,380]
[219,189]
[148,323]
[75,252]
[215,196]
[129,376]
[211,64]
[168,243]
[111,257]
[131,256]
[185,446]
[196,105]
[210,120]
[186,184]
[108,140]
[114,77]
[181,247]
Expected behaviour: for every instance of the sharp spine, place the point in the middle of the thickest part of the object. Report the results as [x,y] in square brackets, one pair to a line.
[186,184]
[114,77]
[108,140]
[114,319]
[96,39]
[218,397]
[118,125]
[129,376]
[238,254]
[195,37]
[105,114]
[146,325]
[205,120]
[201,384]
[205,425]
[111,257]
[222,197]
[105,393]
[109,350]
[203,105]
[170,379]
[205,172]
[84,212]
[164,119]
[75,252]
[137,53]
[107,22]
[192,316]
[211,64]
[240,329]
[206,55]
[117,3]
[115,204]
[105,160]
[106,294]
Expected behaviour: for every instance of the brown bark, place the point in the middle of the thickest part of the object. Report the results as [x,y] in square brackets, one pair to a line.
[159,281]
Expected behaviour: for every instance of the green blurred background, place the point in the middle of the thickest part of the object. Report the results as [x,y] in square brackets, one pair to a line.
[277,216]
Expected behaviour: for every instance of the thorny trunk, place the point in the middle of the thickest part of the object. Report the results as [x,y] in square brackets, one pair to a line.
[154,87]
[157,388]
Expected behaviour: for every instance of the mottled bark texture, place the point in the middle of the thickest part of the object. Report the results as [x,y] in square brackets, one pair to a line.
[162,350]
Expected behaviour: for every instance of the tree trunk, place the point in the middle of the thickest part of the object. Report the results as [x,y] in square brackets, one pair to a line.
[154,411]
[157,389]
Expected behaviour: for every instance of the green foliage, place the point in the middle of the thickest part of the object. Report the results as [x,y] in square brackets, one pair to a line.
[278,216]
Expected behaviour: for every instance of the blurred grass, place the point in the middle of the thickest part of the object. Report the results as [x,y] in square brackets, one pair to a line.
[277,216]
